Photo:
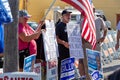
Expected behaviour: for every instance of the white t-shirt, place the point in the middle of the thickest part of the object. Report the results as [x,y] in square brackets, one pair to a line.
[100,26]
[118,26]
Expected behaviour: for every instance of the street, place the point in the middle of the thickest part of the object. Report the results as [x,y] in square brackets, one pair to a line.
[111,67]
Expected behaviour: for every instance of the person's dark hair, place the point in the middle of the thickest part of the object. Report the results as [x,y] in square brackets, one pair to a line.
[65,12]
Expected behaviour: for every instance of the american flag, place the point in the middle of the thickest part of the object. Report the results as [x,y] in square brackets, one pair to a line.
[88,26]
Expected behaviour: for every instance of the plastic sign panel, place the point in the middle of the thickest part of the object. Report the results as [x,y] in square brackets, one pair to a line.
[67,69]
[49,38]
[94,64]
[52,73]
[1,70]
[19,76]
[95,75]
[75,41]
[6,10]
[29,63]
[37,69]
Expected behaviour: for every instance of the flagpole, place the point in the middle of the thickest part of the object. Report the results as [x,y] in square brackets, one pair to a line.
[48,10]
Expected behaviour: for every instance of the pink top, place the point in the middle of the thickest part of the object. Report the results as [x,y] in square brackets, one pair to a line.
[23,45]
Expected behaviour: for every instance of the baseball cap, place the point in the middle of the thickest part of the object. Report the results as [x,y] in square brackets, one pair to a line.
[24,13]
[65,11]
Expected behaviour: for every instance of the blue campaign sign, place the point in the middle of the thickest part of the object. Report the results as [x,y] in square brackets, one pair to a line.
[94,64]
[29,63]
[67,69]
[95,75]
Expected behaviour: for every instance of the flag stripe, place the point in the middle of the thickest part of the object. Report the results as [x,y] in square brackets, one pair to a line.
[87,12]
[88,28]
[90,14]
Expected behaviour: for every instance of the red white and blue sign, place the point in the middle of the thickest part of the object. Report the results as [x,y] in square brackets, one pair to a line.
[29,63]
[94,64]
[95,75]
[67,69]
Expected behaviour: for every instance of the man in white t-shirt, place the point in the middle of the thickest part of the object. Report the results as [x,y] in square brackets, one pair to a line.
[118,36]
[101,32]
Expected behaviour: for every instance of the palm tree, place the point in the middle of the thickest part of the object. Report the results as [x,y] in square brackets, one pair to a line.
[11,40]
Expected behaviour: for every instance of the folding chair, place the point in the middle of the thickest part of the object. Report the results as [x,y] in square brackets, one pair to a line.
[106,49]
[105,54]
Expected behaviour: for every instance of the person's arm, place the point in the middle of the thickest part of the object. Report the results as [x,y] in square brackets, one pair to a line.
[41,23]
[118,37]
[104,28]
[28,38]
[62,42]
[104,35]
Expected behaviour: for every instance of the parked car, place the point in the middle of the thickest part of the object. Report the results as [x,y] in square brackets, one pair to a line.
[33,24]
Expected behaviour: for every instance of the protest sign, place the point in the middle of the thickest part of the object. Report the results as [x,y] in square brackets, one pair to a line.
[6,15]
[67,69]
[37,69]
[1,70]
[52,70]
[95,75]
[75,42]
[19,76]
[29,63]
[49,38]
[94,64]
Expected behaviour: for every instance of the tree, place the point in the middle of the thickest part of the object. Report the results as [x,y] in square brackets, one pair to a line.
[11,40]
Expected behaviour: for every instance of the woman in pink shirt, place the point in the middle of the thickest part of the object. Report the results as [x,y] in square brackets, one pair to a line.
[27,37]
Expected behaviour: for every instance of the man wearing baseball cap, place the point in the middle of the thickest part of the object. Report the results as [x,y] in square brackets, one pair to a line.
[65,12]
[62,39]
